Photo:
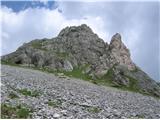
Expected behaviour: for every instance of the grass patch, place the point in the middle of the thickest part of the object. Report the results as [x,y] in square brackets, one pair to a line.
[94,109]
[77,72]
[22,113]
[94,82]
[133,84]
[135,70]
[140,116]
[26,92]
[8,62]
[62,55]
[106,80]
[54,103]
[10,112]
[109,74]
[38,45]
[12,95]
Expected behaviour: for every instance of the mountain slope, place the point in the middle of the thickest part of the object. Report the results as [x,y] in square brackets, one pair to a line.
[77,51]
[64,97]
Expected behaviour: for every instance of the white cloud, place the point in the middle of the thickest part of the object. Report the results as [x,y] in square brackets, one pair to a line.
[37,23]
[44,1]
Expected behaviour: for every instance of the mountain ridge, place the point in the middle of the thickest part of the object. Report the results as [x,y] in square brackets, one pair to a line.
[78,48]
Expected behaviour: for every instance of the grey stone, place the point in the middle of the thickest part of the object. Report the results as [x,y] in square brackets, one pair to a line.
[85,101]
[56,115]
[68,66]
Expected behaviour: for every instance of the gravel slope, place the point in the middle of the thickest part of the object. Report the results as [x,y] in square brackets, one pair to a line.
[78,98]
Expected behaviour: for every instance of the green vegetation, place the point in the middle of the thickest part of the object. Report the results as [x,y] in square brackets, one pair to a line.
[12,95]
[38,45]
[8,62]
[109,75]
[77,72]
[94,109]
[62,55]
[135,70]
[107,79]
[26,92]
[140,116]
[54,103]
[132,84]
[18,112]
[94,82]
[22,113]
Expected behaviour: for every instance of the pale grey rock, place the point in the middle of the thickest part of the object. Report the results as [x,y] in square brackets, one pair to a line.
[56,115]
[67,66]
[100,72]
[120,52]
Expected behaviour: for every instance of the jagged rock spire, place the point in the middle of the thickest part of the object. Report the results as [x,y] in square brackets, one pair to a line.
[120,52]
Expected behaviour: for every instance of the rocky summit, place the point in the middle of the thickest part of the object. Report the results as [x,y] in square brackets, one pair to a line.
[78,52]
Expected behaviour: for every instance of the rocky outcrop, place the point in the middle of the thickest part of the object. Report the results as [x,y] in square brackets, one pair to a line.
[78,47]
[120,52]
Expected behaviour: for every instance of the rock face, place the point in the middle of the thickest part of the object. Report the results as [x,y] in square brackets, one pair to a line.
[120,52]
[77,47]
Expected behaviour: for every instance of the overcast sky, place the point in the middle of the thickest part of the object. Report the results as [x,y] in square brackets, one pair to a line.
[137,22]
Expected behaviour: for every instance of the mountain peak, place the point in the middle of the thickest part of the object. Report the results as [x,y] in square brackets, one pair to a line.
[78,47]
[116,41]
[117,36]
[72,29]
[84,26]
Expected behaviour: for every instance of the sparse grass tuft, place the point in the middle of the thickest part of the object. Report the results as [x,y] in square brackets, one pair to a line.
[18,112]
[94,109]
[38,45]
[135,70]
[62,55]
[94,82]
[133,84]
[8,62]
[106,80]
[12,95]
[26,92]
[140,116]
[54,103]
[22,113]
